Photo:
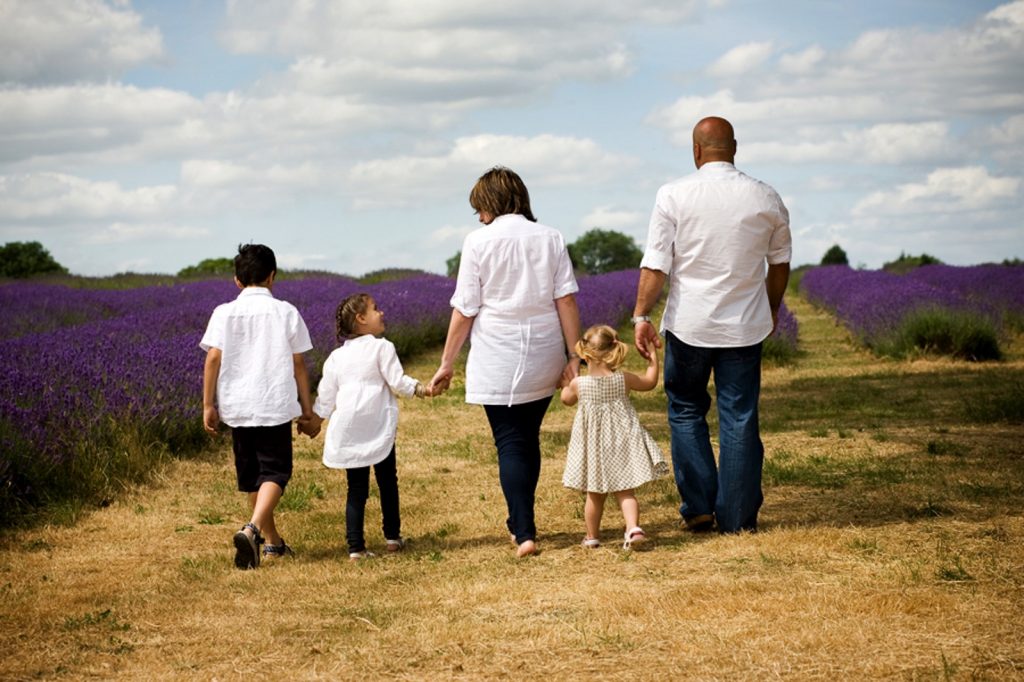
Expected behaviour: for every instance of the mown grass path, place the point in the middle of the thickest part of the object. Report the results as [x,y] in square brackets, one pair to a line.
[892,545]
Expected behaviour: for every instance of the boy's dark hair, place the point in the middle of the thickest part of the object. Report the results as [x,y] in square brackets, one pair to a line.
[254,264]
[345,317]
[499,192]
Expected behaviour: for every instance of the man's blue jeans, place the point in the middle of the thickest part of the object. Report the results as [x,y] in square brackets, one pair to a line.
[732,490]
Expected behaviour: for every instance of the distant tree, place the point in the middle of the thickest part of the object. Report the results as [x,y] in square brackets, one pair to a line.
[599,251]
[835,256]
[453,264]
[906,263]
[210,267]
[24,259]
[1012,262]
[390,274]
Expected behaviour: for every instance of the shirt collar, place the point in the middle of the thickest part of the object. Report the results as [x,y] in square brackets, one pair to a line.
[713,166]
[255,291]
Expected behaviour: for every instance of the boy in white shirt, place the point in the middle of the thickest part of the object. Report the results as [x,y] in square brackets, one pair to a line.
[255,381]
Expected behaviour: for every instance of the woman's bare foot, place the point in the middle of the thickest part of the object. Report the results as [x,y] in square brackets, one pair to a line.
[526,548]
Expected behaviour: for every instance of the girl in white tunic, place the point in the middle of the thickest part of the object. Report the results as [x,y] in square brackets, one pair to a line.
[609,451]
[357,393]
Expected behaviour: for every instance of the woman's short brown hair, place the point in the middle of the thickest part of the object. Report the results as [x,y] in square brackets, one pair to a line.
[500,191]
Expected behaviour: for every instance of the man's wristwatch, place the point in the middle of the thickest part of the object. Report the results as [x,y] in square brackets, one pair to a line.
[637,319]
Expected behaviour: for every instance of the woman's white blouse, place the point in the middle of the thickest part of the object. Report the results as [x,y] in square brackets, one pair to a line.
[510,274]
[357,393]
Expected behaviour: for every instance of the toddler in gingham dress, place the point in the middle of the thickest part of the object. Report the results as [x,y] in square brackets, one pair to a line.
[609,451]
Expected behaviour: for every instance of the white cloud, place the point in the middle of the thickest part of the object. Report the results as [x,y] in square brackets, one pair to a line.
[458,52]
[219,174]
[945,190]
[611,218]
[120,232]
[742,59]
[53,41]
[885,143]
[74,120]
[61,197]
[450,234]
[543,159]
[803,62]
[884,77]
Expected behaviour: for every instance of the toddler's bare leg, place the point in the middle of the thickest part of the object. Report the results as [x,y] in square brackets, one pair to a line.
[630,508]
[592,512]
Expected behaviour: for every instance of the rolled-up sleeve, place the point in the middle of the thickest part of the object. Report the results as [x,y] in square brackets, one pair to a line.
[565,280]
[467,296]
[661,234]
[780,246]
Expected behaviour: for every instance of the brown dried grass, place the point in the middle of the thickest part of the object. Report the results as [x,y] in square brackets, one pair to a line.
[891,547]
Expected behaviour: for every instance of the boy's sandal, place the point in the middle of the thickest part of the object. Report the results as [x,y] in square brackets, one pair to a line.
[396,545]
[247,547]
[634,538]
[591,543]
[278,550]
[359,556]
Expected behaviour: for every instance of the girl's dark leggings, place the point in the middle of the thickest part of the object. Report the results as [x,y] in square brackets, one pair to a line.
[355,503]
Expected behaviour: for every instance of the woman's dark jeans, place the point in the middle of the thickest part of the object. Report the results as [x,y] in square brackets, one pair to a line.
[355,503]
[516,430]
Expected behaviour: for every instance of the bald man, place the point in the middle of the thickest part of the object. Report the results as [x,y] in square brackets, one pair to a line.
[722,240]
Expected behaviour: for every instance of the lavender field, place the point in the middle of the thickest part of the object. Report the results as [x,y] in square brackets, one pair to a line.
[95,383]
[959,311]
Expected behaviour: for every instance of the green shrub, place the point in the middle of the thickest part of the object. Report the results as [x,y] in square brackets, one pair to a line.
[957,334]
[778,351]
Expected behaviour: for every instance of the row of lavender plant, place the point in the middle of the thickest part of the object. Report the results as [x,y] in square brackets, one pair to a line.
[998,287]
[947,309]
[80,368]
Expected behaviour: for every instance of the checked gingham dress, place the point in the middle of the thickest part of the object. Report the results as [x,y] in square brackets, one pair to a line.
[609,450]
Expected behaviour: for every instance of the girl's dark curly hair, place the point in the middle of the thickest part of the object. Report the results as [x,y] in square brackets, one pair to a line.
[345,317]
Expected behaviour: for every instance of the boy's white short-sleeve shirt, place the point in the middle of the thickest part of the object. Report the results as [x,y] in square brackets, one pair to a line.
[257,335]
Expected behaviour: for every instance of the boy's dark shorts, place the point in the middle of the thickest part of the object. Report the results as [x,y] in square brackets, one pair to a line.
[262,454]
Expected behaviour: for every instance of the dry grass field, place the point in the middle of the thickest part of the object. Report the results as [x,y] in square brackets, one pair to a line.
[891,546]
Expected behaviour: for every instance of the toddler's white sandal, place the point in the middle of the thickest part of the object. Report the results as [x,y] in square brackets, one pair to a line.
[634,538]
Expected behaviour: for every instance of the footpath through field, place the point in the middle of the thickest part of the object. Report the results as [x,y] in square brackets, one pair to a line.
[892,545]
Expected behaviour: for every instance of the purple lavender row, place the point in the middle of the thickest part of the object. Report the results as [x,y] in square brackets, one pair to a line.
[874,303]
[77,365]
[996,286]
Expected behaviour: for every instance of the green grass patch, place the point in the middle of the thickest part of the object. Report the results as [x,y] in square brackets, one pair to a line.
[1004,404]
[298,497]
[824,471]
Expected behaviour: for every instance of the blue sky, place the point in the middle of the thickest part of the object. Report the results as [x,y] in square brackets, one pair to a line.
[146,136]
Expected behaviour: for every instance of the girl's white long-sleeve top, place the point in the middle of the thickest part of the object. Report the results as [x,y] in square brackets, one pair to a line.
[357,394]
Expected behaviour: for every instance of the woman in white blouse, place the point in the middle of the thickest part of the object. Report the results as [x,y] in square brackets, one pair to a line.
[515,301]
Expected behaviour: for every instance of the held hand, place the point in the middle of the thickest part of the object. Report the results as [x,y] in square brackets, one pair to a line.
[309,425]
[441,382]
[646,338]
[211,420]
[569,372]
